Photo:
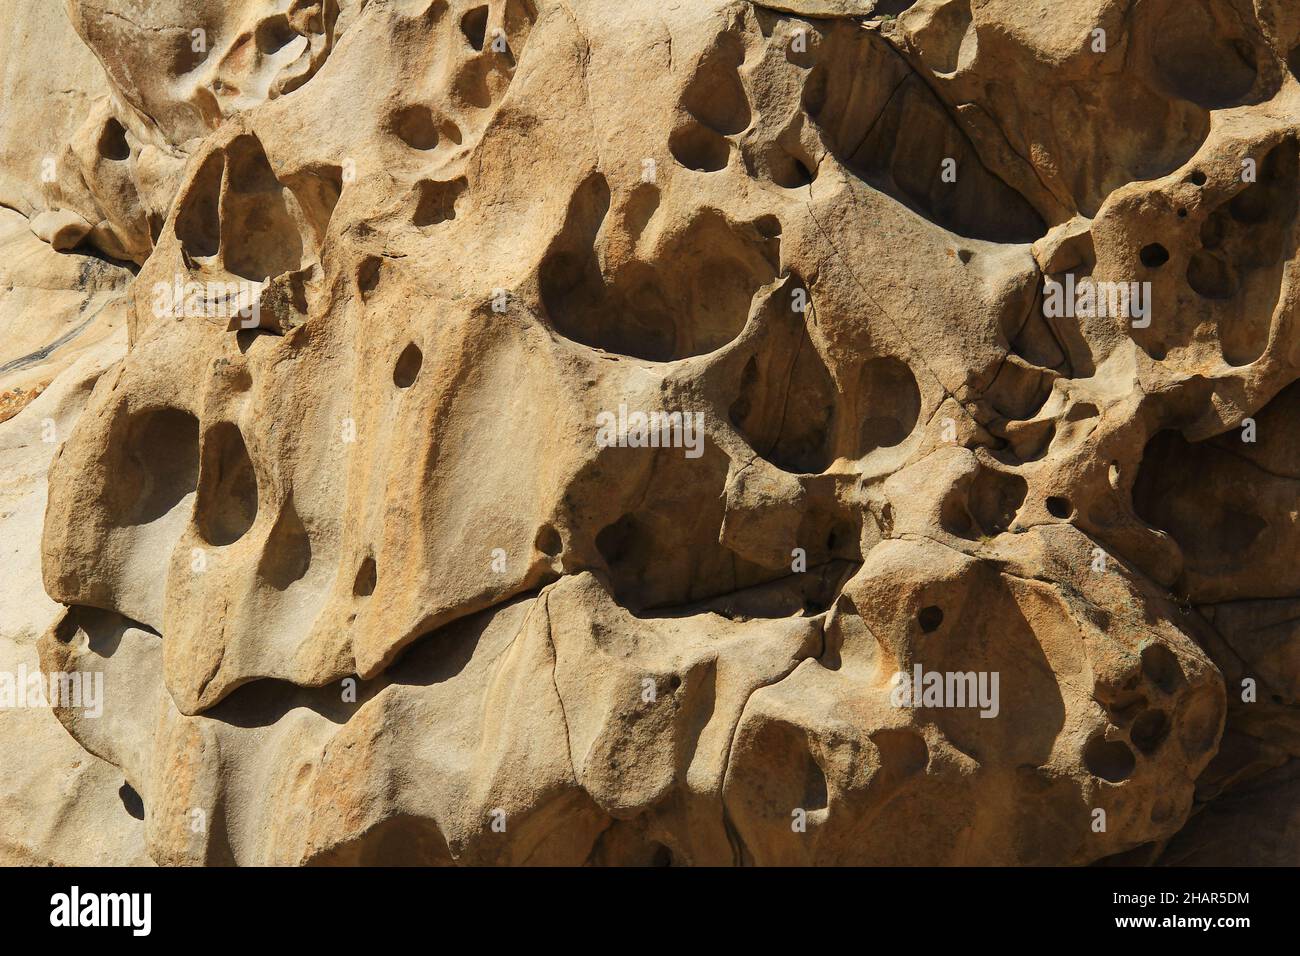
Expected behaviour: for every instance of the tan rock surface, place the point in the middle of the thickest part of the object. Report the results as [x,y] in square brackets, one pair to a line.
[364,583]
[58,803]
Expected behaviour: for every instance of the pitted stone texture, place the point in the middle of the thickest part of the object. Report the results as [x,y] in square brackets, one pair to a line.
[371,591]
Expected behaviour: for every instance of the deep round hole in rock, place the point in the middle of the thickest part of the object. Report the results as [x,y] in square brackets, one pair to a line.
[1059,507]
[1112,760]
[408,366]
[1153,256]
[367,576]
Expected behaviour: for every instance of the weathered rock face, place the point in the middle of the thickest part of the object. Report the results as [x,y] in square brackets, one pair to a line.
[972,537]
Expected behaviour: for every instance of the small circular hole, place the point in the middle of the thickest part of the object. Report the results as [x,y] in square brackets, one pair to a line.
[416,127]
[1109,759]
[368,275]
[408,366]
[1197,178]
[112,142]
[1182,214]
[1161,667]
[930,618]
[1059,507]
[364,586]
[1154,255]
[548,541]
[131,801]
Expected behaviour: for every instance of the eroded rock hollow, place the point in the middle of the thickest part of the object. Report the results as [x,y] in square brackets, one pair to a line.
[711,432]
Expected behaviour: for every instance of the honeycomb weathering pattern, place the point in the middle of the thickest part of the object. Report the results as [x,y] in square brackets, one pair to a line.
[364,583]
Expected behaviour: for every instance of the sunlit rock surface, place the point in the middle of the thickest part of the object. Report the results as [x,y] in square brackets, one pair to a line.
[563,431]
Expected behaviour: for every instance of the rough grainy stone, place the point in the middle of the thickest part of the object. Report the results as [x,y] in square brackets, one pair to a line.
[322,313]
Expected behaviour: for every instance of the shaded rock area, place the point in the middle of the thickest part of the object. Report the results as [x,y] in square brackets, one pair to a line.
[570,432]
